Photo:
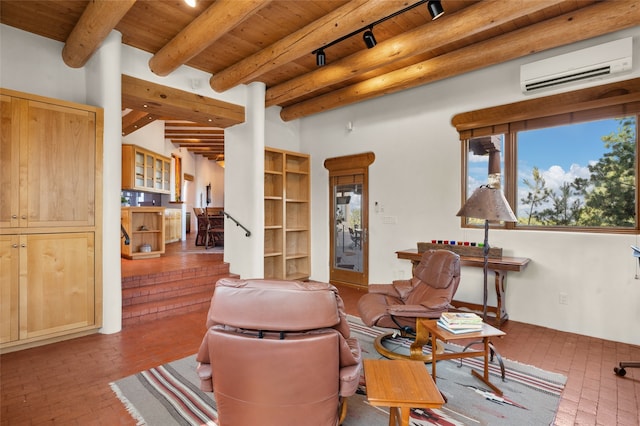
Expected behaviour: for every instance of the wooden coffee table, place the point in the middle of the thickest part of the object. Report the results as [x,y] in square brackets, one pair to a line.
[429,327]
[400,385]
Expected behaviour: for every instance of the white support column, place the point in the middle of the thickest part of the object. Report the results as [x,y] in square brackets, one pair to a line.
[244,187]
[104,90]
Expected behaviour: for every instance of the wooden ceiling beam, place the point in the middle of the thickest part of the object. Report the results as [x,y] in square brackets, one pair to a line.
[198,143]
[170,122]
[179,132]
[342,21]
[135,120]
[167,101]
[591,21]
[450,28]
[220,18]
[95,24]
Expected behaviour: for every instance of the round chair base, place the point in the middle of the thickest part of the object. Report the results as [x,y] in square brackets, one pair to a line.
[416,354]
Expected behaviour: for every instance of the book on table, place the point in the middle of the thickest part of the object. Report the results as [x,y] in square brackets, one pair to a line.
[468,319]
[471,328]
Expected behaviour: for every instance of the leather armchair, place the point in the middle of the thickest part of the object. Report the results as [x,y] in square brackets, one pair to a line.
[278,353]
[426,295]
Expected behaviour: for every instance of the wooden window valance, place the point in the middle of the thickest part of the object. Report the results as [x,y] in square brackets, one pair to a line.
[614,99]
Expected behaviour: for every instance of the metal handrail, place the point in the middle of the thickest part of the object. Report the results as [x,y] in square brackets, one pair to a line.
[247,232]
[123,234]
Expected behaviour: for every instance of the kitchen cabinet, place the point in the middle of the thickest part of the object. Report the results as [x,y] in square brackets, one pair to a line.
[287,245]
[146,229]
[144,170]
[173,225]
[50,220]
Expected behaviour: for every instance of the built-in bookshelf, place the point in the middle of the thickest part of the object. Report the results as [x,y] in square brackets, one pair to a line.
[286,215]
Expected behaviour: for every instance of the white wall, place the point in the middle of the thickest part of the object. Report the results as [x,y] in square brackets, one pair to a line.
[416,178]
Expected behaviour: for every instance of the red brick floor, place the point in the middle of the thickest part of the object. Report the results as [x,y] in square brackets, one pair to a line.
[67,383]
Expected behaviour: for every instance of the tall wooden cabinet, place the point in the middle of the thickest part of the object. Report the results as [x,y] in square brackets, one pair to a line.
[287,215]
[144,170]
[50,220]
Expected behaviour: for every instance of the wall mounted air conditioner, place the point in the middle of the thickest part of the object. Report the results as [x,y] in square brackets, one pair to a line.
[588,64]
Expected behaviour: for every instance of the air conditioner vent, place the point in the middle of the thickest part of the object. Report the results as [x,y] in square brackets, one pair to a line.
[588,64]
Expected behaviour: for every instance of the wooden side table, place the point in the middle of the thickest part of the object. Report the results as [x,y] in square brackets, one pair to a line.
[400,385]
[428,327]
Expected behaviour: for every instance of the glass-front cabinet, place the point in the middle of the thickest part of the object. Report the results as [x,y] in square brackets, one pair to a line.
[144,170]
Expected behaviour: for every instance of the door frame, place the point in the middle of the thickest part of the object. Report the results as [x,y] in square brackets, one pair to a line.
[341,166]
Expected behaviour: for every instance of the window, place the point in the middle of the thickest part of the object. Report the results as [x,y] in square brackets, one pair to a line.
[567,171]
[579,174]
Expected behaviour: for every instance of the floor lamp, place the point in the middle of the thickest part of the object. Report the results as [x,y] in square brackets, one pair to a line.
[489,204]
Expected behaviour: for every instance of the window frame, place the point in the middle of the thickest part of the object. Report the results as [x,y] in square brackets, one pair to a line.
[601,102]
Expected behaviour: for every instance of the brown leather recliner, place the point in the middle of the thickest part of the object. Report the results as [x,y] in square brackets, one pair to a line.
[426,295]
[278,353]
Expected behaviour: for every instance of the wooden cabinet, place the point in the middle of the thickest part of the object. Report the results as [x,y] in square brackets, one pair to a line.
[172,225]
[287,252]
[9,287]
[50,175]
[146,229]
[144,170]
[50,220]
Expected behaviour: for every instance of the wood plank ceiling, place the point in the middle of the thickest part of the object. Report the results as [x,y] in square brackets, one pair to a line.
[273,41]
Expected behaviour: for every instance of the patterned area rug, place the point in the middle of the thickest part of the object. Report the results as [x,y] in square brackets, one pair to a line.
[169,394]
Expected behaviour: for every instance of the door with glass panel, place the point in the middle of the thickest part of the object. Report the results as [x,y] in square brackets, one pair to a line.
[349,248]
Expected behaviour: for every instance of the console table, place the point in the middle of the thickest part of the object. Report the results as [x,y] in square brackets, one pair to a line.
[500,267]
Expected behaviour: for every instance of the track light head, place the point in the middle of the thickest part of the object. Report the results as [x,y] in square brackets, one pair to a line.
[435,9]
[321,58]
[369,39]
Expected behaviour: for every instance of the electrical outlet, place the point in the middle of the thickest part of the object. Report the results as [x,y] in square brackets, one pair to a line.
[563,298]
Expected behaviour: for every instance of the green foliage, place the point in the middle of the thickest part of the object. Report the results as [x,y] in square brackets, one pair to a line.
[538,194]
[612,200]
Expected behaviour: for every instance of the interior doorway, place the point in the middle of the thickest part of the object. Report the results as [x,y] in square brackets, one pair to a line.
[349,219]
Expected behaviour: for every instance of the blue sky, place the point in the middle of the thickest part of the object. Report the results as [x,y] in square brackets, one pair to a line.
[564,145]
[561,153]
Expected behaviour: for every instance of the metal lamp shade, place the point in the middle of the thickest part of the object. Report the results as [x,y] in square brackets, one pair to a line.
[489,204]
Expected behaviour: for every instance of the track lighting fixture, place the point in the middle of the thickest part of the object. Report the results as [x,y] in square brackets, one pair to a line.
[435,9]
[369,39]
[321,58]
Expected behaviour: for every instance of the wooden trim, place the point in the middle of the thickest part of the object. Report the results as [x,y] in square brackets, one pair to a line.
[621,96]
[349,162]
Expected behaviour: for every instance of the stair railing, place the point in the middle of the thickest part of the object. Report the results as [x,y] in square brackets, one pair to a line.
[247,232]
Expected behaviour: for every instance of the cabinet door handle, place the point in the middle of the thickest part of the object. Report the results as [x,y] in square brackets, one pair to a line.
[14,216]
[23,245]
[14,245]
[24,216]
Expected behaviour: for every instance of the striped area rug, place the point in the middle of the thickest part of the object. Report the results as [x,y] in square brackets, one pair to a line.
[169,394]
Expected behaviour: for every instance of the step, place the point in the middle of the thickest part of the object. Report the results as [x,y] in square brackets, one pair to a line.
[151,311]
[164,294]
